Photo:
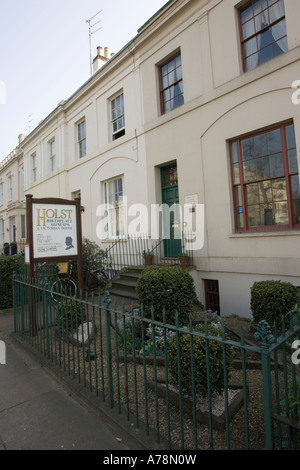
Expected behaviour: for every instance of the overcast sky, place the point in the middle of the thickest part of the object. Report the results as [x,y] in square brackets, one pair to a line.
[44,53]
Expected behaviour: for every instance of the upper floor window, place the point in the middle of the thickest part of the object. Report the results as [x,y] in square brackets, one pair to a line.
[81,128]
[263,31]
[1,194]
[1,232]
[9,187]
[51,152]
[22,194]
[266,190]
[33,167]
[118,117]
[171,84]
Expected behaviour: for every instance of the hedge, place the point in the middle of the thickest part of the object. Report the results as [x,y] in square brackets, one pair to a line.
[216,361]
[169,288]
[8,265]
[272,300]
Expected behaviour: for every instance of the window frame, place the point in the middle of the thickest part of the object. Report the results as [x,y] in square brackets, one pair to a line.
[9,188]
[120,131]
[1,193]
[162,90]
[243,184]
[51,155]
[33,167]
[243,41]
[2,235]
[212,295]
[110,233]
[81,139]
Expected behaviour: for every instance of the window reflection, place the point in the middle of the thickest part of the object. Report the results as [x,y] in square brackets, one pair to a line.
[265,178]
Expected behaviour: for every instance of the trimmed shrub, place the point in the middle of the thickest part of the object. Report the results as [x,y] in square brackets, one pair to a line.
[8,265]
[94,256]
[271,300]
[215,351]
[70,315]
[169,288]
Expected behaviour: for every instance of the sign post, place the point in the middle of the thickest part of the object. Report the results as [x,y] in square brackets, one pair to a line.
[53,233]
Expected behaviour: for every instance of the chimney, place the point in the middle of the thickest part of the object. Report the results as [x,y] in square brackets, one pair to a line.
[21,137]
[100,59]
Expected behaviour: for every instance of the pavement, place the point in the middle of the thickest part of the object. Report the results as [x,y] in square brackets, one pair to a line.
[39,412]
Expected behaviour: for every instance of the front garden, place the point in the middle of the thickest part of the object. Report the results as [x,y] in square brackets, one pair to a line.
[165,373]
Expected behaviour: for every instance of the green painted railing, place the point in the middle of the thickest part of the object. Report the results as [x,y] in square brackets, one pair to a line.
[123,356]
[131,251]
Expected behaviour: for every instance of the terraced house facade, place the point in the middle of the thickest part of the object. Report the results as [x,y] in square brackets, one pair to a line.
[12,202]
[195,110]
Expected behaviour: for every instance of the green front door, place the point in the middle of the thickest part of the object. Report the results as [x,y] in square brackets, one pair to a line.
[171,219]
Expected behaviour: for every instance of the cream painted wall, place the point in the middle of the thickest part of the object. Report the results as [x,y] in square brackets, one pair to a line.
[220,102]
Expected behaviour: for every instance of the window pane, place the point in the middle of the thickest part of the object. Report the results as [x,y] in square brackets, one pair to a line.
[265,39]
[259,5]
[246,14]
[271,2]
[250,47]
[265,55]
[170,175]
[249,171]
[276,165]
[276,11]
[267,214]
[172,77]
[296,198]
[281,213]
[166,95]
[290,136]
[236,173]
[260,145]
[238,196]
[262,168]
[281,46]
[171,66]
[247,148]
[164,82]
[252,61]
[261,21]
[234,152]
[265,192]
[295,187]
[254,219]
[279,190]
[248,29]
[252,194]
[293,162]
[274,141]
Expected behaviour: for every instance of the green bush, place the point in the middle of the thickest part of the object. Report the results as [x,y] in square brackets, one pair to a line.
[270,300]
[70,315]
[93,256]
[216,371]
[169,288]
[8,265]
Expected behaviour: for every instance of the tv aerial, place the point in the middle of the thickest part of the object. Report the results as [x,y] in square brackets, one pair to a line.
[91,32]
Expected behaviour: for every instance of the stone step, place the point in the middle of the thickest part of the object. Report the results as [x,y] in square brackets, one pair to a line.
[124,293]
[125,282]
[125,286]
